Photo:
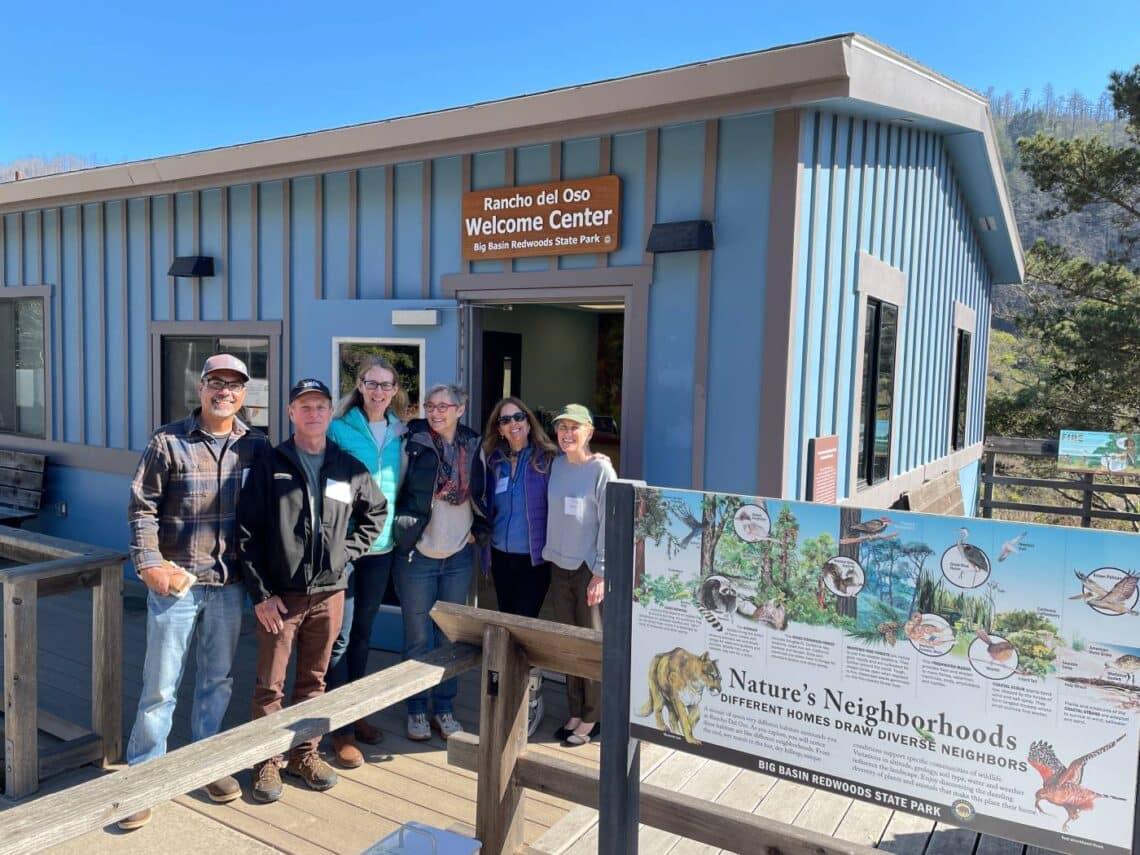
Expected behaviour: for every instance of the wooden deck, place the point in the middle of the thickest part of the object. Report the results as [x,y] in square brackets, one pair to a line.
[405,781]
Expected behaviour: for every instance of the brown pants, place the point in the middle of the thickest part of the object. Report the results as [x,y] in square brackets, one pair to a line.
[313,623]
[568,595]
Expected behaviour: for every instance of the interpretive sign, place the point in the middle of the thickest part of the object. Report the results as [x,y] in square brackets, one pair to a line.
[823,469]
[976,672]
[1098,451]
[560,218]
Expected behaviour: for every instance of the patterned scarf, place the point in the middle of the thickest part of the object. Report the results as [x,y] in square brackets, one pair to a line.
[451,480]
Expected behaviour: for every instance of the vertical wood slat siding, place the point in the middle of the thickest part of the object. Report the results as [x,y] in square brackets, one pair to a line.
[425,232]
[255,250]
[389,231]
[224,221]
[891,192]
[353,252]
[319,237]
[286,304]
[80,344]
[102,292]
[172,306]
[704,306]
[20,278]
[57,309]
[125,320]
[652,144]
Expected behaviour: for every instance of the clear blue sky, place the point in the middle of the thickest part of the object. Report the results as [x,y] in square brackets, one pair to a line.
[130,80]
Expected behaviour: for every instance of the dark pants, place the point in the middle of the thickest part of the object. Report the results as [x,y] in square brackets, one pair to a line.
[520,587]
[367,581]
[312,622]
[568,592]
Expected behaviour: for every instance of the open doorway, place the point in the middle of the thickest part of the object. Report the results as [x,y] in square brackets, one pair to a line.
[550,355]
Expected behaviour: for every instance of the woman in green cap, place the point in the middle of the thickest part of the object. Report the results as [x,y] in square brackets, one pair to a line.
[575,547]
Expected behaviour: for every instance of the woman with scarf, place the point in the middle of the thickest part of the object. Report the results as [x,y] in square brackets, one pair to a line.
[366,426]
[438,519]
[518,456]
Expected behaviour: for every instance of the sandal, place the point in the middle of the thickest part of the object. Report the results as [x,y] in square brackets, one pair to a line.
[574,740]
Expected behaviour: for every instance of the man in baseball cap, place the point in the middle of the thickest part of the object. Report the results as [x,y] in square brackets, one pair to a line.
[184,548]
[307,511]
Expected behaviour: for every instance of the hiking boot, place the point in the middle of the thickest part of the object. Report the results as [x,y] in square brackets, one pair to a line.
[445,724]
[136,820]
[347,755]
[367,733]
[314,771]
[418,728]
[224,790]
[267,781]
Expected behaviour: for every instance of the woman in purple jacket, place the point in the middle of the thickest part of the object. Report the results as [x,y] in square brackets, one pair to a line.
[518,454]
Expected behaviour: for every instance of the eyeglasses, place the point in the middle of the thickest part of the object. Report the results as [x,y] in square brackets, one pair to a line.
[513,417]
[373,385]
[216,384]
[438,408]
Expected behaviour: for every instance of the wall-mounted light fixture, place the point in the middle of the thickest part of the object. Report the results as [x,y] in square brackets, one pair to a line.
[681,236]
[193,266]
[415,317]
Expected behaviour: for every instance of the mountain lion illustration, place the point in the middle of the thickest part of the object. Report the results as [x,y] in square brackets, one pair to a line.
[677,680]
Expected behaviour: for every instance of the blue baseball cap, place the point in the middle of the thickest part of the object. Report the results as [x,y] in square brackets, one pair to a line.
[304,387]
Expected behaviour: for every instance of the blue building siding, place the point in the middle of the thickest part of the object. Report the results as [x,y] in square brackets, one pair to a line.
[889,192]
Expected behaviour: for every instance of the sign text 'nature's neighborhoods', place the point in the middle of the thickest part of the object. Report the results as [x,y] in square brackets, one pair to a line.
[976,672]
[560,218]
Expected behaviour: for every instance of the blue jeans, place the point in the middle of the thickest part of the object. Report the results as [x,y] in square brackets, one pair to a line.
[420,582]
[367,580]
[170,624]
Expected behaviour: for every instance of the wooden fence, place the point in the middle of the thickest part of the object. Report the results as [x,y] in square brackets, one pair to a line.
[1087,499]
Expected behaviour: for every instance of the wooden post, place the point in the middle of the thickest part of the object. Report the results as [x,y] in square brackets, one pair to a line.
[989,467]
[620,774]
[500,802]
[107,662]
[1089,488]
[21,751]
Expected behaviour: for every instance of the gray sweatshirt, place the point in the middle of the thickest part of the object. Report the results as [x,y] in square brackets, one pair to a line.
[575,522]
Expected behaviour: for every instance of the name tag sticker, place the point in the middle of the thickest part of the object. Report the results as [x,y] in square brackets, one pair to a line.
[501,485]
[575,507]
[338,491]
[244,475]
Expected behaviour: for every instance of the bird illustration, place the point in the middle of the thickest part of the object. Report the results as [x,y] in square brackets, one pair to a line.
[1062,784]
[1127,664]
[1000,651]
[872,527]
[1115,600]
[972,555]
[1013,546]
[844,580]
[925,632]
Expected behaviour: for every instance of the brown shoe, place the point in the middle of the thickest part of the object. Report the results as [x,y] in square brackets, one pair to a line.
[348,756]
[224,790]
[368,734]
[136,820]
[267,781]
[314,771]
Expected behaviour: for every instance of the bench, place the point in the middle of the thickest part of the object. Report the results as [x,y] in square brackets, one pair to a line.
[21,486]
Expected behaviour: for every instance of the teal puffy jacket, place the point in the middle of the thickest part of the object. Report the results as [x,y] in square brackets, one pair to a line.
[351,433]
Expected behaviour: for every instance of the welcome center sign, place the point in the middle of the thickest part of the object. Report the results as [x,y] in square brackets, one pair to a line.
[560,218]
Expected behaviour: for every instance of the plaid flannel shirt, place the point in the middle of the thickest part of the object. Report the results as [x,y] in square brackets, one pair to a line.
[183,505]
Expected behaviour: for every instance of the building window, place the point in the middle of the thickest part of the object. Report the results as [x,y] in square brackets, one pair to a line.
[877,417]
[961,391]
[406,356]
[182,357]
[22,367]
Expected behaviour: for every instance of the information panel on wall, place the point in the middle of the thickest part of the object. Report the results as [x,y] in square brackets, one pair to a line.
[559,218]
[976,672]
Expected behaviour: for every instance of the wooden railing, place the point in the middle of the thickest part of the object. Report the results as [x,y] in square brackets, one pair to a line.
[1086,497]
[53,819]
[53,566]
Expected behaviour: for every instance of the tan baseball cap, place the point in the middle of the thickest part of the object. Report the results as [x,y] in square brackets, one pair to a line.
[224,362]
[575,413]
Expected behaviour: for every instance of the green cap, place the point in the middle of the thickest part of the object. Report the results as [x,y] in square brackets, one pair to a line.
[575,413]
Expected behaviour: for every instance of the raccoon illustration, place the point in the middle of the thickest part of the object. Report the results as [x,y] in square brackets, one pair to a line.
[716,596]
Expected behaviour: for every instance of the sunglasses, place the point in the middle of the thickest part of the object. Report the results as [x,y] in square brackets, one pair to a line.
[513,417]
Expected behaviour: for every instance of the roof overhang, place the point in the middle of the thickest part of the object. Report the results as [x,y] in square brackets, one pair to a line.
[849,73]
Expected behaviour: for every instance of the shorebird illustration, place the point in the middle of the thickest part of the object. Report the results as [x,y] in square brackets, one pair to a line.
[1126,664]
[972,555]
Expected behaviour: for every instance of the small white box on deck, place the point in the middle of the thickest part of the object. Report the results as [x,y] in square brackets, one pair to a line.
[415,838]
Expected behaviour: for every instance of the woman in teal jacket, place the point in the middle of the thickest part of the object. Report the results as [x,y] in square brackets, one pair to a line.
[366,425]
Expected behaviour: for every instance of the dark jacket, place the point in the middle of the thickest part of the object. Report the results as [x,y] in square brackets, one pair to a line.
[414,499]
[535,483]
[276,547]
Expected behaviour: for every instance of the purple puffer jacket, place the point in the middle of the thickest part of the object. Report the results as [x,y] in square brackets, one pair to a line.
[534,493]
